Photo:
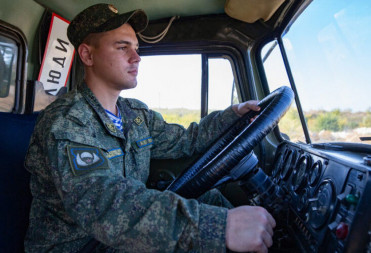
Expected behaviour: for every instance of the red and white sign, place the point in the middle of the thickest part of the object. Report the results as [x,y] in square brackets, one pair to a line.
[58,57]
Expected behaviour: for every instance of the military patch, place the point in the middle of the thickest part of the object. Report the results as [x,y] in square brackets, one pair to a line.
[113,153]
[84,159]
[138,120]
[144,142]
[111,127]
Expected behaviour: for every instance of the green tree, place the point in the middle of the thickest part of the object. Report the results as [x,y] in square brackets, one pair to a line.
[328,121]
[366,121]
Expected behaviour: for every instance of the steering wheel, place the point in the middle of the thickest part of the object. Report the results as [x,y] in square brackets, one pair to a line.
[233,146]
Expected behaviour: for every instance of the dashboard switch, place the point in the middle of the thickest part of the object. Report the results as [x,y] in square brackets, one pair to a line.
[351,199]
[342,231]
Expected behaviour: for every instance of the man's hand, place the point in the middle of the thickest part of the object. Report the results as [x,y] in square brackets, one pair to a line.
[241,109]
[249,228]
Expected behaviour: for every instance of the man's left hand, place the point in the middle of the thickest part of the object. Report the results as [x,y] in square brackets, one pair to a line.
[242,108]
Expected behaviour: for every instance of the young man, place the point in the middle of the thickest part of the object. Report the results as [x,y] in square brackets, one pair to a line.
[90,152]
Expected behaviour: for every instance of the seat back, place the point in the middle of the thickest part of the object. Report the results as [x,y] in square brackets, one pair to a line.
[15,196]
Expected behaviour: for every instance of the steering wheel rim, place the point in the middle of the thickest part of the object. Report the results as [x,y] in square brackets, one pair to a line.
[233,146]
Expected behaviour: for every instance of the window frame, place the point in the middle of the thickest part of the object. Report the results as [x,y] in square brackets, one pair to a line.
[19,38]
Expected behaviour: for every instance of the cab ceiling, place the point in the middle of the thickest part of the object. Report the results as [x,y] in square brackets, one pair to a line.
[155,9]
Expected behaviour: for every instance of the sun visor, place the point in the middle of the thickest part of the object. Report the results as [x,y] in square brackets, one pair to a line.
[252,10]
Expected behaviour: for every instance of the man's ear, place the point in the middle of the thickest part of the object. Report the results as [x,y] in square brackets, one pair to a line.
[86,57]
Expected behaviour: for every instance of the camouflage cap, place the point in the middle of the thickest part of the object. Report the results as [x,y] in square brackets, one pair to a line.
[101,18]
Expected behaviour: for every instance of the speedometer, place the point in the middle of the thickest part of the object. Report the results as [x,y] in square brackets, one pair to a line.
[322,204]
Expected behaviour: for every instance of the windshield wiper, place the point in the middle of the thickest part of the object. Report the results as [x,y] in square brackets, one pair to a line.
[270,50]
[328,146]
[344,146]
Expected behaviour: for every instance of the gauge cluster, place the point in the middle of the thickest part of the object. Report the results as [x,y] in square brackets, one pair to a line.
[328,196]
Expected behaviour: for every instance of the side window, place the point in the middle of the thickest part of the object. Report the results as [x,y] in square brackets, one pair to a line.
[171,85]
[8,72]
[290,125]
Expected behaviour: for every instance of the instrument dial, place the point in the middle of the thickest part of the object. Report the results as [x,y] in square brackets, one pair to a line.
[315,173]
[300,176]
[279,163]
[288,164]
[322,204]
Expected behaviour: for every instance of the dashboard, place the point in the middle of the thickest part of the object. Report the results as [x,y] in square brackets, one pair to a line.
[325,203]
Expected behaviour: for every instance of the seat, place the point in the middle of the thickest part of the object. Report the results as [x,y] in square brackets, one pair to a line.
[15,196]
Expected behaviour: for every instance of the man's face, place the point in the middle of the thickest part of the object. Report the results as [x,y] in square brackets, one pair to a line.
[115,58]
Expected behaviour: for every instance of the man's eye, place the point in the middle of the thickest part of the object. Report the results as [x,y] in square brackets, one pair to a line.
[122,48]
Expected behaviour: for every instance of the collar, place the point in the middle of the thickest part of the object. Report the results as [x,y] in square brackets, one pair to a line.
[91,99]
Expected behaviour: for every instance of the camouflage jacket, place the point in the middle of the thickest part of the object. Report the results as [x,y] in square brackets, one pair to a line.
[88,179]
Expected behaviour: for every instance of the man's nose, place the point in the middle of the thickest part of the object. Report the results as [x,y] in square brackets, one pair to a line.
[134,56]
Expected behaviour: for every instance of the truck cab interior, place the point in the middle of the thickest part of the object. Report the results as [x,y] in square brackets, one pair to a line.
[307,156]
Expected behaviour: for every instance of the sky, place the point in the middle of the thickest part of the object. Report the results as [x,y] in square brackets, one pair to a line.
[329,54]
[330,61]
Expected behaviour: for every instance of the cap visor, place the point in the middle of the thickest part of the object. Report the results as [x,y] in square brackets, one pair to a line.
[137,19]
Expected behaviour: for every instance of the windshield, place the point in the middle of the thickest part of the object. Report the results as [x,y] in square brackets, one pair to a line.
[329,56]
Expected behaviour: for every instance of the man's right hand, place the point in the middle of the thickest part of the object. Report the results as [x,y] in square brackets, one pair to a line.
[249,228]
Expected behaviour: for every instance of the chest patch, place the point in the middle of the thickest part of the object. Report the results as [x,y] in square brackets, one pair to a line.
[144,142]
[85,159]
[113,153]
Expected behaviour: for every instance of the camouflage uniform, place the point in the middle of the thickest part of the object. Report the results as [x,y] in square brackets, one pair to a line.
[88,180]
